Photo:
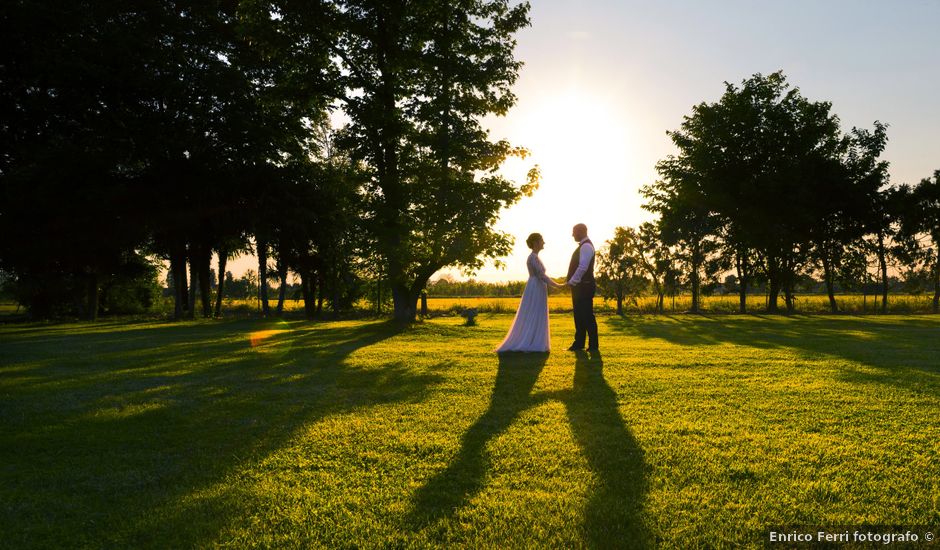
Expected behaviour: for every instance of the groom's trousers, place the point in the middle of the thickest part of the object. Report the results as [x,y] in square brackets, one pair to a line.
[582,300]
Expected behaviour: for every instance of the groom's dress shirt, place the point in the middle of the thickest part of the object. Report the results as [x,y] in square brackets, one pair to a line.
[587,253]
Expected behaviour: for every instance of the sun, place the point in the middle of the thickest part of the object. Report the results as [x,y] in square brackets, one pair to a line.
[581,142]
[577,139]
[581,139]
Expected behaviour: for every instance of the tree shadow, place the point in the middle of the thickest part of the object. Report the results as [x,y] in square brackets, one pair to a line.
[613,516]
[890,351]
[120,451]
[444,494]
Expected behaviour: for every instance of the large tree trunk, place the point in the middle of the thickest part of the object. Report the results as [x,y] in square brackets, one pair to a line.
[774,284]
[743,268]
[788,283]
[389,174]
[223,261]
[406,303]
[661,297]
[830,290]
[92,303]
[619,302]
[772,294]
[263,276]
[205,283]
[883,264]
[307,289]
[178,270]
[695,278]
[789,298]
[282,288]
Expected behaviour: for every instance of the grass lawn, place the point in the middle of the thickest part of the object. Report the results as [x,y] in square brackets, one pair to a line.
[687,431]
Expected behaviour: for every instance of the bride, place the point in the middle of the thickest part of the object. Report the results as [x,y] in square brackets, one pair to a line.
[529,330]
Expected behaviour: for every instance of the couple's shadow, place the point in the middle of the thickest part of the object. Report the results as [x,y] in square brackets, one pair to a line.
[612,515]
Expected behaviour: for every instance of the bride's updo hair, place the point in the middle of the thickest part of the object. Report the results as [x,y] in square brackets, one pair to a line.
[533,238]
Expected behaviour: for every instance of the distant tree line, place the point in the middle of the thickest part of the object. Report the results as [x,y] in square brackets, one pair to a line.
[166,131]
[447,286]
[766,186]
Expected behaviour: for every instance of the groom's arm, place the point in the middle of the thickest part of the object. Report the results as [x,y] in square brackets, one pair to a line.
[587,252]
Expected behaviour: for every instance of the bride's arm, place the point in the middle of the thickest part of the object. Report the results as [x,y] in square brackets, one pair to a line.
[540,269]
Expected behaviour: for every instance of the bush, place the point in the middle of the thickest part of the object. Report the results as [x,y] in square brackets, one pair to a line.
[6,286]
[133,288]
[130,287]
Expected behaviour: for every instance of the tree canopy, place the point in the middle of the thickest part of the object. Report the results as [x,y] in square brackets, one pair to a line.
[182,130]
[766,183]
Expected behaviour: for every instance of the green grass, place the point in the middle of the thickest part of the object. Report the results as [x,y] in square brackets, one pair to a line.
[687,431]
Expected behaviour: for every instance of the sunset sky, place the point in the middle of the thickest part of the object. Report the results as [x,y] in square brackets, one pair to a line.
[604,80]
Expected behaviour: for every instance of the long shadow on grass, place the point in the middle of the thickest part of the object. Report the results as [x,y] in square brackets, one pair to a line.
[612,516]
[894,351]
[463,478]
[180,417]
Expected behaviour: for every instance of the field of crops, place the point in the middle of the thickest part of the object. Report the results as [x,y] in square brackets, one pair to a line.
[10,308]
[849,303]
[561,303]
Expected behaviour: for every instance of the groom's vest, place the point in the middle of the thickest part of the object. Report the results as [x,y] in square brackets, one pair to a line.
[588,276]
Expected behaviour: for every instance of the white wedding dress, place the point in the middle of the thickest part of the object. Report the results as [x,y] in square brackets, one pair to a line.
[529,330]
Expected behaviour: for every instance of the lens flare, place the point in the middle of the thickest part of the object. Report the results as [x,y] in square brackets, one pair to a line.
[258,337]
[276,340]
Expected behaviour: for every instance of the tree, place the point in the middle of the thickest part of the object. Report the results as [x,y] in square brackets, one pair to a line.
[619,267]
[237,84]
[758,172]
[655,260]
[923,225]
[685,223]
[887,208]
[69,215]
[226,250]
[420,77]
[853,203]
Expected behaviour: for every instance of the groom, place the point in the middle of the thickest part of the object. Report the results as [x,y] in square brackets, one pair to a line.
[581,281]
